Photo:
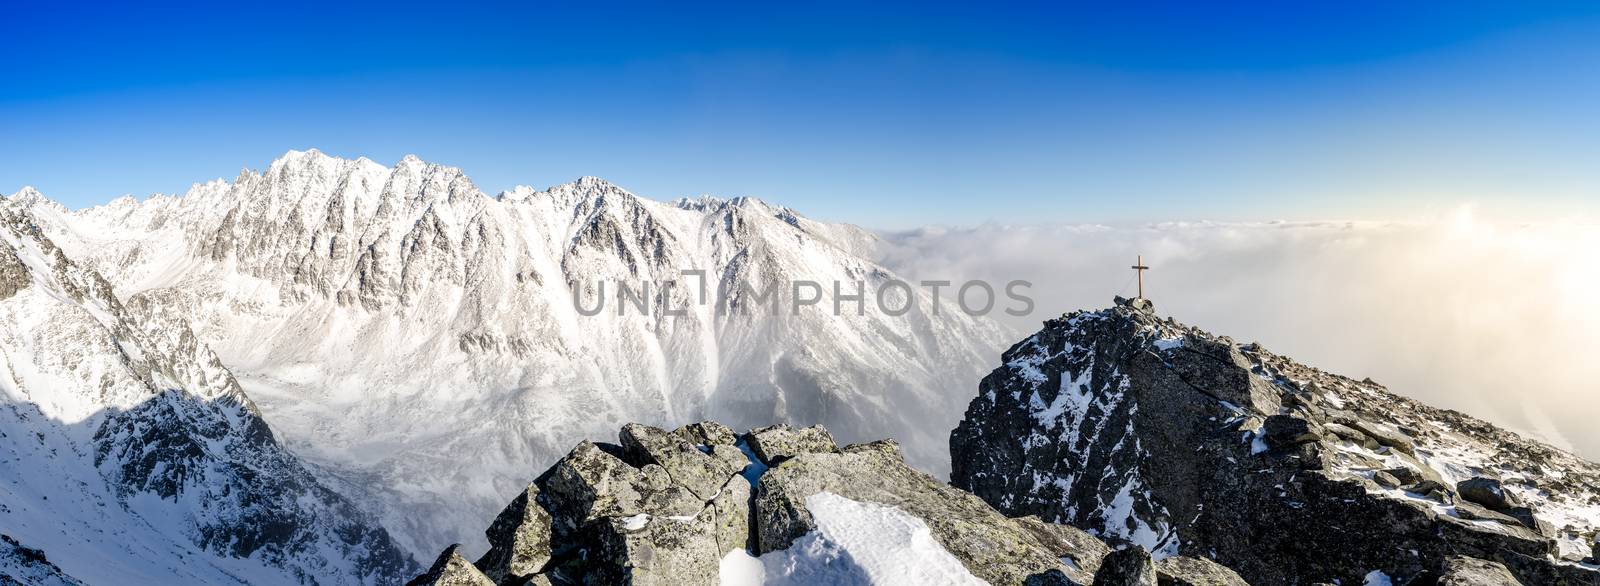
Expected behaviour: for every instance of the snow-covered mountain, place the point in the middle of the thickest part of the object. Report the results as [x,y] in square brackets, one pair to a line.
[418,340]
[129,453]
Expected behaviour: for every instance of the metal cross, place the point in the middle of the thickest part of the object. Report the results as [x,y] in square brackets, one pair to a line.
[1139,268]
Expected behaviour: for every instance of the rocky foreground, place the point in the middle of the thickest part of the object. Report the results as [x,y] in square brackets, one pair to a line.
[671,507]
[1151,433]
[1112,448]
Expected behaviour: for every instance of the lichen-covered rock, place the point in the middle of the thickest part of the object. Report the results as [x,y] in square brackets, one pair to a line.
[696,470]
[1069,543]
[451,570]
[774,443]
[519,539]
[1126,567]
[591,484]
[1466,571]
[707,433]
[731,514]
[1189,571]
[644,550]
[992,547]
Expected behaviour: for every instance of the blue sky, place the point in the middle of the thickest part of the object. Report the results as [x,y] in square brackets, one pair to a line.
[888,115]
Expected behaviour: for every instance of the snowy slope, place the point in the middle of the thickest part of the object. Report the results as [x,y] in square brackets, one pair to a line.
[128,453]
[418,340]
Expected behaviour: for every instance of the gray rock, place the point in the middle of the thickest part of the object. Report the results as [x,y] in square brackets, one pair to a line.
[1068,542]
[1489,493]
[774,443]
[687,465]
[1406,475]
[519,539]
[1474,512]
[707,433]
[1126,567]
[1432,489]
[1352,435]
[1385,479]
[1287,430]
[656,551]
[1525,516]
[1384,436]
[451,570]
[994,548]
[731,511]
[591,484]
[1190,571]
[1466,571]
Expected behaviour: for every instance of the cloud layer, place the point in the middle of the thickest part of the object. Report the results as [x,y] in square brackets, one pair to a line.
[1499,321]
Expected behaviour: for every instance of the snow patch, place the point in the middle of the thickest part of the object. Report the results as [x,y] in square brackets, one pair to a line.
[853,543]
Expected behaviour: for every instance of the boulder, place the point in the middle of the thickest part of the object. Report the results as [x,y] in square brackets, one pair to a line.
[1126,567]
[1381,434]
[707,433]
[1466,571]
[1405,474]
[1431,489]
[1287,430]
[591,484]
[1189,571]
[700,472]
[644,550]
[1386,480]
[1488,492]
[1525,516]
[1474,512]
[519,539]
[730,512]
[1352,435]
[772,444]
[451,570]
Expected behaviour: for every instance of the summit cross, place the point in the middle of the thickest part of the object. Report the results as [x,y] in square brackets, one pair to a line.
[1138,267]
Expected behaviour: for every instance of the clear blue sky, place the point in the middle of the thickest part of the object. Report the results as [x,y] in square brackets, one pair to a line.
[884,115]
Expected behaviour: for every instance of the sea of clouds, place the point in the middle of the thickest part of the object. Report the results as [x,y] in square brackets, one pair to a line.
[1501,321]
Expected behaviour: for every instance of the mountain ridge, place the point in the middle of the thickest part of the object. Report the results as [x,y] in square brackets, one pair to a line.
[320,276]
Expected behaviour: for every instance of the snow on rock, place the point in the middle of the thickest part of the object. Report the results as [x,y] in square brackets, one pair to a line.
[853,543]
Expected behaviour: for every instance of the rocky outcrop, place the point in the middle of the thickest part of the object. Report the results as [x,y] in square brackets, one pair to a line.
[1153,434]
[666,507]
[1465,571]
[451,570]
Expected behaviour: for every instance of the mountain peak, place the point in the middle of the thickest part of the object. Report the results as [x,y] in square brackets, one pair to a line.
[1194,439]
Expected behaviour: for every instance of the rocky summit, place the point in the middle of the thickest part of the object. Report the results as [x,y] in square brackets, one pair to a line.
[1163,438]
[685,506]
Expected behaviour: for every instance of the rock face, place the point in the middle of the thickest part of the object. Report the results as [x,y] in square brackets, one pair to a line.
[1150,433]
[631,514]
